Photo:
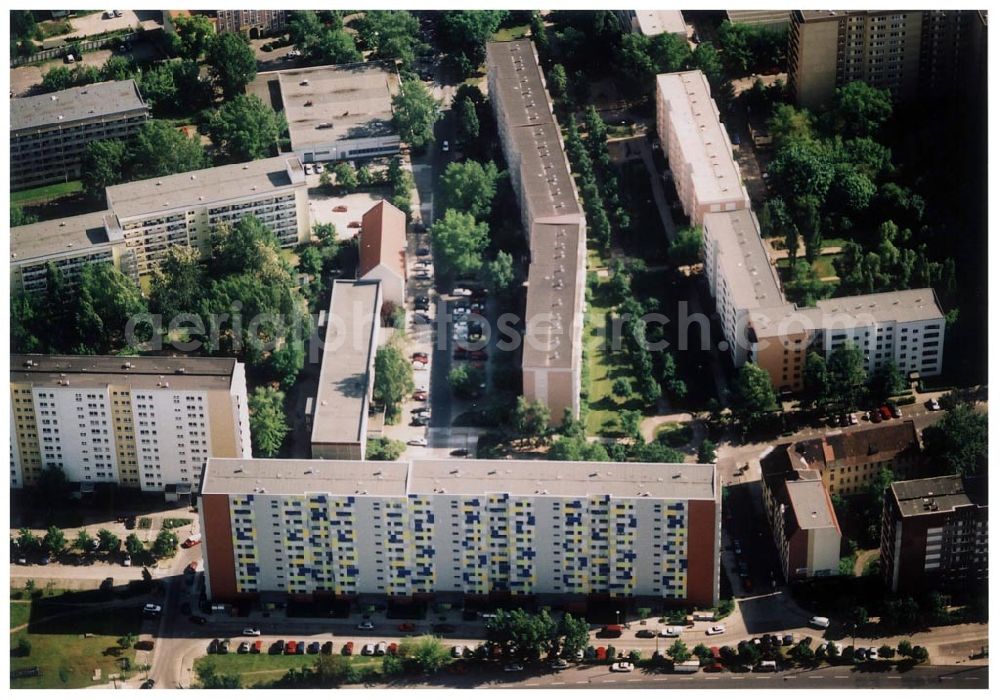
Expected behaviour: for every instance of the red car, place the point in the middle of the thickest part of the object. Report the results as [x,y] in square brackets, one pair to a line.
[886,412]
[191,541]
[354,224]
[257,646]
[348,649]
[290,647]
[407,627]
[714,667]
[419,395]
[420,356]
[393,648]
[340,208]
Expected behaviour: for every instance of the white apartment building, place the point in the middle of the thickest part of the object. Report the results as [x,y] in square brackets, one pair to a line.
[139,422]
[697,146]
[187,208]
[740,275]
[472,527]
[553,221]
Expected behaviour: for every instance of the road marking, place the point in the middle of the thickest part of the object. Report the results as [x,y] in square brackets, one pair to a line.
[840,677]
[814,677]
[559,683]
[608,681]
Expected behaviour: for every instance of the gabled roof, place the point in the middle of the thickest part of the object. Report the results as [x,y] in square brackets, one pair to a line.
[383,239]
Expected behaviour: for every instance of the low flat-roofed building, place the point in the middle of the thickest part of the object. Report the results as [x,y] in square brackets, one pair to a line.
[138,422]
[382,250]
[347,371]
[801,517]
[467,527]
[739,273]
[935,534]
[778,19]
[697,146]
[187,208]
[655,22]
[49,132]
[70,243]
[335,112]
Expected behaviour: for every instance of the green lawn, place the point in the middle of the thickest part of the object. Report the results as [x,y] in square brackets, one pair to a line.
[823,265]
[511,33]
[46,192]
[674,434]
[604,406]
[255,669]
[20,612]
[66,657]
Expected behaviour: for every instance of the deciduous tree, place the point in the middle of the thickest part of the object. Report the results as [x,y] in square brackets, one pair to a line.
[414,113]
[231,63]
[268,421]
[245,128]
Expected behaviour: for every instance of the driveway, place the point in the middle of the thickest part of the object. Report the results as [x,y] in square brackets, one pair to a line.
[97,23]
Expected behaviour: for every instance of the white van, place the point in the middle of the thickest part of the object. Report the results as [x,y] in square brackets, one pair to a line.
[767,667]
[819,622]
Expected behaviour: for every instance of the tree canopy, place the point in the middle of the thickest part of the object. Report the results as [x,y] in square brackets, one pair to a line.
[469,186]
[459,243]
[231,63]
[268,421]
[191,36]
[393,378]
[390,34]
[158,150]
[960,440]
[245,128]
[414,113]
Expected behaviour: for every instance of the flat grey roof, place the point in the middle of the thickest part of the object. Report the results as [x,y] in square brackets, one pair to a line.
[463,477]
[654,22]
[145,372]
[74,104]
[703,141]
[904,306]
[766,17]
[553,307]
[294,477]
[743,260]
[520,86]
[47,239]
[351,340]
[938,494]
[205,187]
[810,504]
[549,187]
[356,100]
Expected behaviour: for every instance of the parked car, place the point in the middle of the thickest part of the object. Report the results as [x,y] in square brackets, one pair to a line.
[886,412]
[423,250]
[381,648]
[715,629]
[257,647]
[148,684]
[290,647]
[622,667]
[444,146]
[421,303]
[419,395]
[327,648]
[420,356]
[461,292]
[152,610]
[670,632]
[191,541]
[300,648]
[366,625]
[368,649]
[559,664]
[933,405]
[213,646]
[251,632]
[406,627]
[393,648]
[313,647]
[875,416]
[418,421]
[421,318]
[646,634]
[457,651]
[243,648]
[224,646]
[766,667]
[460,452]
[347,649]
[417,442]
[788,640]
[277,647]
[819,622]
[422,275]
[896,413]
[513,668]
